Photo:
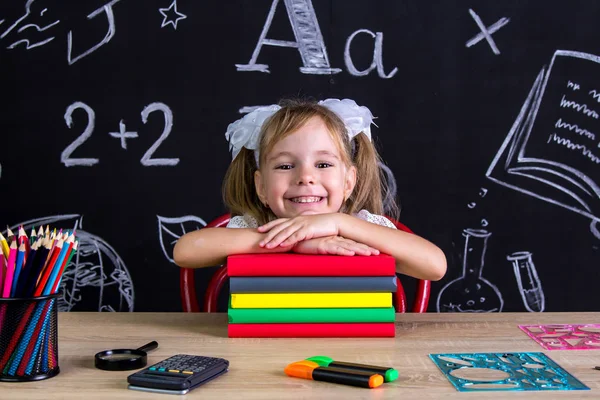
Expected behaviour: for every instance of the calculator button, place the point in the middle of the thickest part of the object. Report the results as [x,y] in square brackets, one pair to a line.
[174,370]
[187,372]
[162,369]
[152,368]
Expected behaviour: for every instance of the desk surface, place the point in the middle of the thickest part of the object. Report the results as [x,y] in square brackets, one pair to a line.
[256,369]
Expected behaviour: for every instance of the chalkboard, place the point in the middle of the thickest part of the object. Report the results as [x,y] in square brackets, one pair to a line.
[114,116]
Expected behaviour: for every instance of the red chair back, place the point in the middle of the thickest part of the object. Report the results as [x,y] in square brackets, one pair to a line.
[189,299]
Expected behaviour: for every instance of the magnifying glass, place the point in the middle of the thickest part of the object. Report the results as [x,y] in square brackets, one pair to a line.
[124,359]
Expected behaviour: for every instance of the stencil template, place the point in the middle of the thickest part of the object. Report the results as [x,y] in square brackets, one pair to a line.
[471,372]
[565,336]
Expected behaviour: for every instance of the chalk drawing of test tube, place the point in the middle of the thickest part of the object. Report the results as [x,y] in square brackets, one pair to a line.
[528,281]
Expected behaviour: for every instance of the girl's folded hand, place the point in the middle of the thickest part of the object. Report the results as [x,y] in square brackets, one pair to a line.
[334,245]
[289,231]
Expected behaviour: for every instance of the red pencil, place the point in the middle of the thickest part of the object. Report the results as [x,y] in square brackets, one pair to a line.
[16,336]
[39,324]
[53,240]
[48,269]
[72,250]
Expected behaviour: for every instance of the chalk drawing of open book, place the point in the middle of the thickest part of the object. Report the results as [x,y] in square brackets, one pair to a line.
[552,151]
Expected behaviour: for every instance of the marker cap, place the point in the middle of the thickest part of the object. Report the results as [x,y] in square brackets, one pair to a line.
[301,369]
[375,380]
[391,375]
[323,361]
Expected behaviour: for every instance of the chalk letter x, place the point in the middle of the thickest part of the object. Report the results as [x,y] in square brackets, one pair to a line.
[486,32]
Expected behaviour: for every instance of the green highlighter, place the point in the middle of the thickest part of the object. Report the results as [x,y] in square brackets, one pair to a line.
[389,374]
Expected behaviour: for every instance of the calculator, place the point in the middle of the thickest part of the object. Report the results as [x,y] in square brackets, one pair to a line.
[178,374]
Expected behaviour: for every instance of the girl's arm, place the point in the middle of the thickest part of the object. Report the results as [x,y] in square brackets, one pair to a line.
[414,255]
[209,247]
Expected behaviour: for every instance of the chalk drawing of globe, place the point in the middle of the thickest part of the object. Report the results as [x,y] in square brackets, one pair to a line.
[96,279]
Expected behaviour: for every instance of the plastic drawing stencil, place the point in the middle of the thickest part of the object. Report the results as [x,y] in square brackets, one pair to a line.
[473,372]
[565,336]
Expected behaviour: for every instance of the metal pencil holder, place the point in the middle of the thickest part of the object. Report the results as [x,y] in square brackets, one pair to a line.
[28,338]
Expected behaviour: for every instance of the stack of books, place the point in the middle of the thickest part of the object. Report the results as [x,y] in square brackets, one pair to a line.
[298,295]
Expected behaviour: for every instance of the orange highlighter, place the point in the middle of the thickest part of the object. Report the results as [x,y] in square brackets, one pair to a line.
[311,370]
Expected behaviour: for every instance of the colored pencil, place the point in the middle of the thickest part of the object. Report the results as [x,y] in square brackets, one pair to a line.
[9,353]
[4,245]
[3,307]
[53,358]
[23,239]
[10,236]
[2,269]
[43,362]
[26,270]
[10,269]
[29,330]
[56,268]
[62,268]
[36,270]
[54,236]
[48,269]
[18,267]
[43,351]
[32,339]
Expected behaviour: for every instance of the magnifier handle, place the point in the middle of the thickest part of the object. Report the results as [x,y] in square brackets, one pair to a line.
[149,346]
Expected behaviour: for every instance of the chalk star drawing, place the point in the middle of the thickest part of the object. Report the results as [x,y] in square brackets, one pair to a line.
[486,32]
[171,15]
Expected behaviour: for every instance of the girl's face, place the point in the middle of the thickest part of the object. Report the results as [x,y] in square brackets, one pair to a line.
[304,173]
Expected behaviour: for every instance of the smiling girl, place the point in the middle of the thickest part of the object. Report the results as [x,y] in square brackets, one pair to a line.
[305,178]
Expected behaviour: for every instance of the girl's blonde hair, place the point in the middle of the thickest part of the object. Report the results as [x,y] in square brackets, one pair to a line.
[239,192]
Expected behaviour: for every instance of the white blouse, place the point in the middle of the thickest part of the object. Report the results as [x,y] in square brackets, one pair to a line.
[246,221]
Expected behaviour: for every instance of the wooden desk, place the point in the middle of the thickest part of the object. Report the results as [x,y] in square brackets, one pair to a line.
[256,370]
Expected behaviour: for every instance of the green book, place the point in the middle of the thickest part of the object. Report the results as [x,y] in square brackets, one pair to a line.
[305,315]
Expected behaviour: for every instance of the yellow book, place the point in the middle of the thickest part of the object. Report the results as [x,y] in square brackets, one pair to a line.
[310,300]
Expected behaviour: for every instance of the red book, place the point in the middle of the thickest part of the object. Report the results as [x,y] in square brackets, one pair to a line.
[383,329]
[290,264]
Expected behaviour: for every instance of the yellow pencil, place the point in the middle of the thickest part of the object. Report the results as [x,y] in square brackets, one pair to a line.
[52,238]
[4,244]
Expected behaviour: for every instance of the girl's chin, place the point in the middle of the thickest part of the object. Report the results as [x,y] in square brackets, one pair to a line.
[311,212]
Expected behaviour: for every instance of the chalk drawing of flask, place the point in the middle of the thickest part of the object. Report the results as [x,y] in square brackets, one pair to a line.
[529,283]
[471,292]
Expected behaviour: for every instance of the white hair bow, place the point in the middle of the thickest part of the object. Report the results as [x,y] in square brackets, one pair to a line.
[245,132]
